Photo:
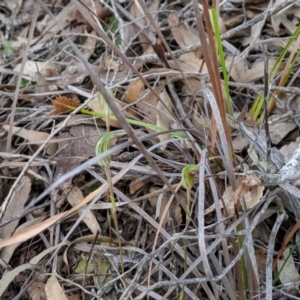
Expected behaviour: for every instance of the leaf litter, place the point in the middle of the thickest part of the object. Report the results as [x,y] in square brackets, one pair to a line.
[52,116]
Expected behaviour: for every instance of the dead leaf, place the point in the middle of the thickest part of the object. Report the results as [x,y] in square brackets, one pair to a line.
[37,291]
[100,11]
[257,71]
[200,122]
[33,67]
[74,297]
[111,63]
[279,130]
[73,152]
[193,86]
[288,150]
[234,21]
[74,74]
[181,32]
[74,197]
[14,5]
[16,206]
[65,17]
[53,289]
[135,186]
[90,44]
[34,230]
[188,62]
[251,199]
[174,212]
[289,272]
[147,104]
[261,259]
[141,21]
[133,91]
[44,83]
[9,276]
[7,252]
[240,143]
[237,70]
[280,18]
[61,102]
[33,137]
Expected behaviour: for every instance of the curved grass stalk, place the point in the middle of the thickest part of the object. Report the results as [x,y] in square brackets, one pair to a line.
[187,181]
[103,144]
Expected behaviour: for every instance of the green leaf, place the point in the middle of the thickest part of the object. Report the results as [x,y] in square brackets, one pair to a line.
[80,268]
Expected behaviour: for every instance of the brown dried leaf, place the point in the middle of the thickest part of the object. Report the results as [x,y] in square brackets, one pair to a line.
[201,123]
[133,91]
[147,105]
[281,18]
[9,276]
[279,130]
[78,146]
[135,186]
[174,212]
[74,74]
[74,197]
[8,251]
[33,67]
[177,214]
[194,86]
[90,44]
[252,196]
[234,21]
[33,137]
[181,32]
[288,149]
[261,259]
[237,70]
[289,272]
[14,5]
[240,143]
[111,63]
[43,84]
[61,102]
[34,230]
[142,21]
[188,62]
[37,291]
[101,11]
[257,71]
[64,18]
[16,206]
[53,289]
